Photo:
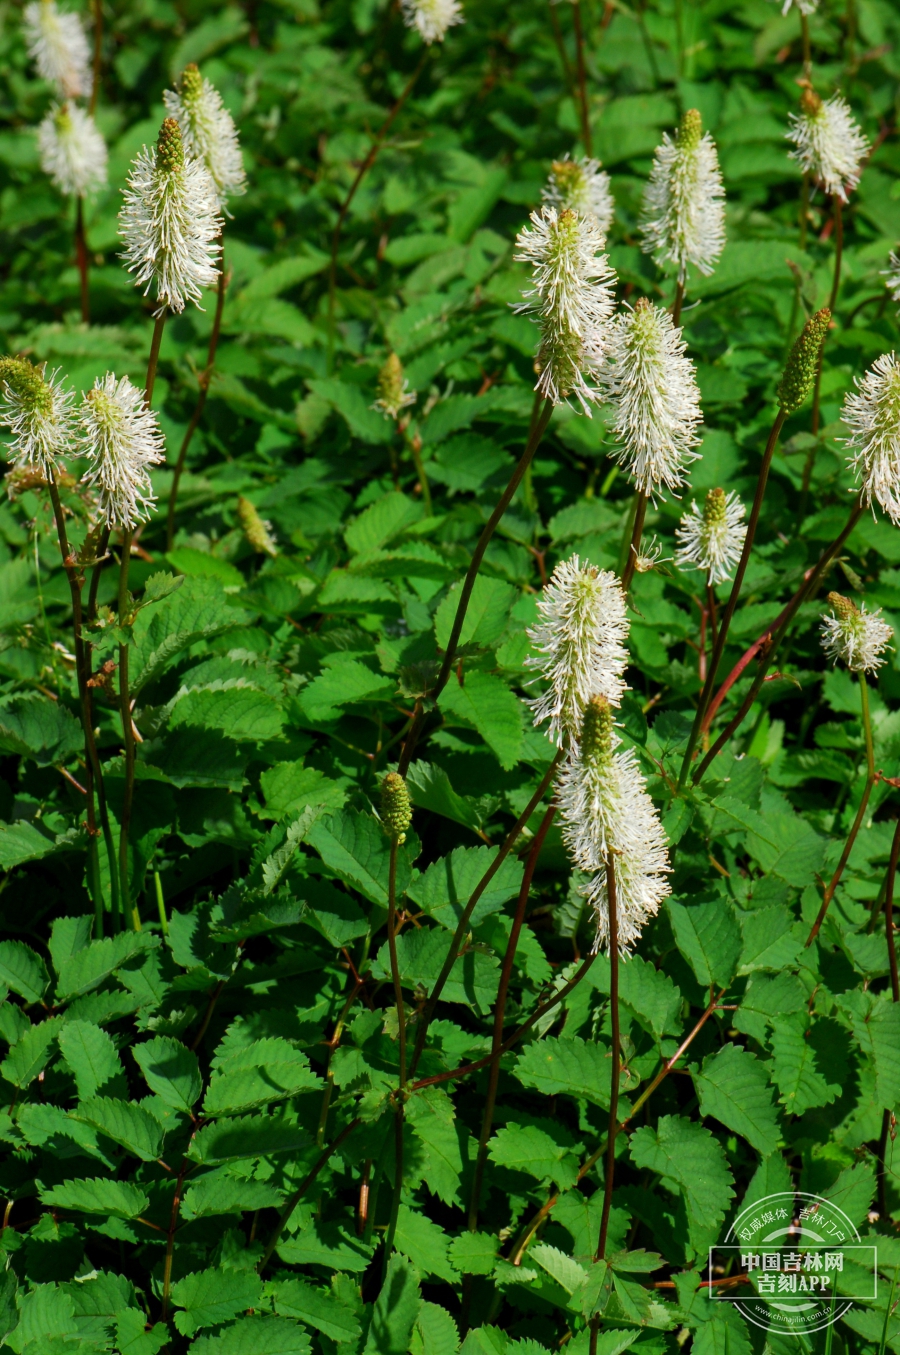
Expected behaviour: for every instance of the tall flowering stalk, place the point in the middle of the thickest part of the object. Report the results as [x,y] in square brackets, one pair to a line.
[74,156]
[683,216]
[711,538]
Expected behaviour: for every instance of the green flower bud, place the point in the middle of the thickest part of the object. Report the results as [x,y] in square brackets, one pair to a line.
[169,147]
[256,530]
[597,731]
[396,812]
[800,370]
[191,84]
[690,130]
[28,384]
[715,508]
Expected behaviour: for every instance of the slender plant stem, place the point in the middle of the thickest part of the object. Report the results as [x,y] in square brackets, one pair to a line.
[102,549]
[725,622]
[361,173]
[887,1117]
[645,37]
[561,46]
[128,738]
[98,55]
[804,225]
[153,360]
[161,905]
[807,49]
[415,451]
[500,1012]
[301,1191]
[463,925]
[401,1035]
[678,302]
[637,533]
[81,257]
[170,1235]
[539,423]
[835,286]
[711,609]
[616,1058]
[204,381]
[860,813]
[582,79]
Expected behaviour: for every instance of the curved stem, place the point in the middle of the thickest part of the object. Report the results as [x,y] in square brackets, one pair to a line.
[725,622]
[500,1012]
[637,533]
[582,79]
[205,378]
[463,924]
[860,813]
[538,427]
[835,285]
[81,256]
[98,56]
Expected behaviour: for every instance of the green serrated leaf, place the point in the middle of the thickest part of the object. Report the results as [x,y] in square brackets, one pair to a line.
[266,1071]
[208,1297]
[100,1195]
[134,1128]
[171,1070]
[571,1066]
[486,703]
[93,1059]
[732,1087]
[22,970]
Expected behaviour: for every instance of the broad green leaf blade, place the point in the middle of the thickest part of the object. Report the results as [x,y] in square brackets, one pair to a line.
[208,1297]
[316,1307]
[134,1128]
[257,1335]
[709,938]
[116,1199]
[89,967]
[356,848]
[266,1071]
[485,702]
[22,970]
[688,1156]
[732,1087]
[395,1311]
[171,1070]
[93,1059]
[251,1136]
[572,1066]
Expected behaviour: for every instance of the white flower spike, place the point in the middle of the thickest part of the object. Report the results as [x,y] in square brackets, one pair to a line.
[857,637]
[121,440]
[607,816]
[38,412]
[712,537]
[872,414]
[683,216]
[571,299]
[432,18]
[583,187]
[806,7]
[208,131]
[830,145]
[73,153]
[170,222]
[58,45]
[652,387]
[579,642]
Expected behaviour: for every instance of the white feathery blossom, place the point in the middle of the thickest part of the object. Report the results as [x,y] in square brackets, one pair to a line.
[571,299]
[37,410]
[806,7]
[652,387]
[73,153]
[872,414]
[170,222]
[712,537]
[857,637]
[579,643]
[683,215]
[608,817]
[432,18]
[650,557]
[58,45]
[583,187]
[208,131]
[121,439]
[829,142]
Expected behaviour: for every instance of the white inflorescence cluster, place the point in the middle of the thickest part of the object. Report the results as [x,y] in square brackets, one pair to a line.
[712,537]
[37,410]
[571,298]
[121,440]
[830,145]
[683,216]
[579,645]
[58,45]
[208,131]
[652,387]
[170,222]
[872,414]
[583,187]
[806,7]
[854,636]
[73,153]
[432,18]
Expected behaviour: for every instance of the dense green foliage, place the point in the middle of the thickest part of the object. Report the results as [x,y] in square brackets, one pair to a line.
[172,1090]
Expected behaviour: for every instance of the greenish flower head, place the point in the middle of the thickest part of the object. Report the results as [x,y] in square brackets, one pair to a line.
[690,130]
[169,147]
[569,178]
[715,508]
[256,529]
[597,732]
[800,370]
[393,395]
[33,394]
[396,812]
[191,85]
[842,607]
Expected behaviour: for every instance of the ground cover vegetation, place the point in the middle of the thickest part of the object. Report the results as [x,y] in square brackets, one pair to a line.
[449,701]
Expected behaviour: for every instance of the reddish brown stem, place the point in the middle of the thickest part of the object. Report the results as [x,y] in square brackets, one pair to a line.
[301,1191]
[81,256]
[613,1129]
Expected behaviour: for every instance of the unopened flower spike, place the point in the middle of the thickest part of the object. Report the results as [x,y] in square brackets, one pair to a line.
[121,440]
[432,18]
[803,360]
[396,811]
[609,819]
[857,637]
[829,143]
[73,153]
[37,410]
[872,414]
[583,187]
[712,537]
[393,392]
[257,531]
[683,216]
[208,131]
[170,222]
[652,387]
[58,45]
[571,298]
[579,645]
